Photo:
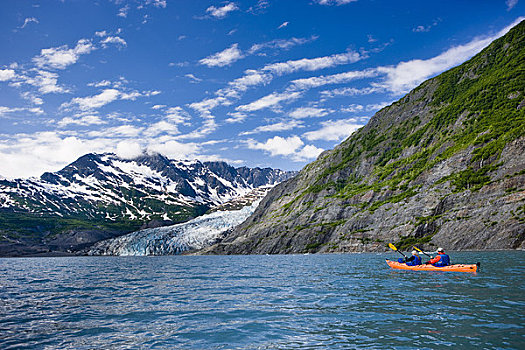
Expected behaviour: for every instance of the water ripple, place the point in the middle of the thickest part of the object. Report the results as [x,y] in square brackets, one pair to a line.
[258,302]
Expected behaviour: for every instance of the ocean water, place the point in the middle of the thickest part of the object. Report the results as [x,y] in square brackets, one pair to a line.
[340,301]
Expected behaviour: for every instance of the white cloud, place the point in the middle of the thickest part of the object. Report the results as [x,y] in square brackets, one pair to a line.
[221,12]
[36,110]
[32,98]
[101,34]
[308,152]
[209,126]
[7,74]
[123,12]
[349,91]
[193,78]
[177,115]
[308,112]
[291,147]
[284,24]
[116,40]
[407,75]
[157,3]
[334,2]
[8,110]
[29,20]
[236,117]
[377,106]
[282,44]
[314,82]
[510,4]
[179,64]
[353,108]
[125,130]
[158,107]
[420,29]
[266,74]
[427,28]
[132,95]
[47,82]
[37,100]
[103,98]
[82,120]
[5,110]
[400,78]
[205,106]
[259,7]
[96,101]
[278,146]
[312,64]
[25,155]
[129,149]
[251,78]
[61,57]
[161,127]
[174,149]
[334,130]
[233,53]
[268,101]
[223,58]
[102,83]
[276,127]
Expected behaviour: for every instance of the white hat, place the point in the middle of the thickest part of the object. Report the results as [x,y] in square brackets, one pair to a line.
[414,252]
[440,249]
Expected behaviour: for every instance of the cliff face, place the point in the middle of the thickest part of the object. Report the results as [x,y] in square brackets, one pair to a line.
[445,165]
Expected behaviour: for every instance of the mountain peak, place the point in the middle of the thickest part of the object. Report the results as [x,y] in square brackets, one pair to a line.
[102,194]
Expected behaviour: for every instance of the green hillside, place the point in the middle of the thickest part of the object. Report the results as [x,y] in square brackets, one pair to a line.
[445,165]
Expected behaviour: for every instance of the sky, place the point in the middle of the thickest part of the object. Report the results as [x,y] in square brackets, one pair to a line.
[250,82]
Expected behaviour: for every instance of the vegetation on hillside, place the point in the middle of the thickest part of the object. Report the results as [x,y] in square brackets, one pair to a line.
[484,93]
[475,109]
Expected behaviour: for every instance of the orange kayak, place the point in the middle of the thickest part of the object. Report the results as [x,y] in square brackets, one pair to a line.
[453,268]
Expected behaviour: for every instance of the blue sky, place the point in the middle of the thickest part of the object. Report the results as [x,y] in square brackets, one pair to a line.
[255,83]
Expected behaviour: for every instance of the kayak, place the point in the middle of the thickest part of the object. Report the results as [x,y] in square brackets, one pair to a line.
[452,268]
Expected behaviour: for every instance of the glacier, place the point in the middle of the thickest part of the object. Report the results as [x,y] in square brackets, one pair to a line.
[175,239]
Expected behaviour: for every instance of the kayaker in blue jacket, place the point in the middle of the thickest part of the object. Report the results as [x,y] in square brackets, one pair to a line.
[414,260]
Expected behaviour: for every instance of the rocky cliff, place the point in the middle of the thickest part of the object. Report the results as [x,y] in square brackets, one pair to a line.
[445,165]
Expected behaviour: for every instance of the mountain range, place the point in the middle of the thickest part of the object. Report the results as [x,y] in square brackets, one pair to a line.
[101,196]
[443,166]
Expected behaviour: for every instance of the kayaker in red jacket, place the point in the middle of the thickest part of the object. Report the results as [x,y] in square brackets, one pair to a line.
[441,259]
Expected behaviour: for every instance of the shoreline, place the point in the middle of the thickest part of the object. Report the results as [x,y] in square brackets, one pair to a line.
[189,253]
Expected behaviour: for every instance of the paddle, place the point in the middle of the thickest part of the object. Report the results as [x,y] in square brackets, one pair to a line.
[419,250]
[393,247]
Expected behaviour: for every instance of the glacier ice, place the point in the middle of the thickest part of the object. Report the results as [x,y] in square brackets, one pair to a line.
[170,240]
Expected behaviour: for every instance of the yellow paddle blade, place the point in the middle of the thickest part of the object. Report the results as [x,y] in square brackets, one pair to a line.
[393,247]
[416,248]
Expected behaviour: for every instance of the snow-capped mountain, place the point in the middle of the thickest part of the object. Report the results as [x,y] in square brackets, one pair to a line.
[106,186]
[98,190]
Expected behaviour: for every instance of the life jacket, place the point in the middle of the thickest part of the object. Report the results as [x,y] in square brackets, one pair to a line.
[416,261]
[443,261]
